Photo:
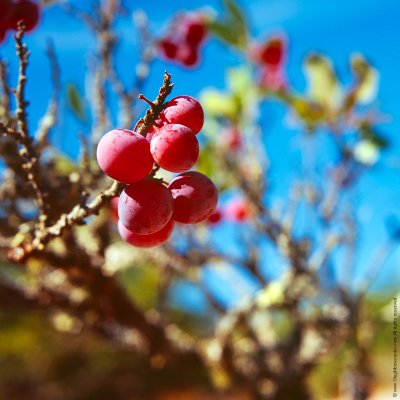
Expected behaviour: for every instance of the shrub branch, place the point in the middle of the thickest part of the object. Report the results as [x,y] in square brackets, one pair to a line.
[81,211]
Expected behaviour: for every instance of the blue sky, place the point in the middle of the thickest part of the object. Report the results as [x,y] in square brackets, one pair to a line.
[336,28]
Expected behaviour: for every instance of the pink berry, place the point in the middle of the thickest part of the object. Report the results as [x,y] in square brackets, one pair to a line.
[114,208]
[6,8]
[3,33]
[233,139]
[154,129]
[188,55]
[26,11]
[272,78]
[238,210]
[168,47]
[151,240]
[175,148]
[215,218]
[272,52]
[193,29]
[145,207]
[195,197]
[184,110]
[124,155]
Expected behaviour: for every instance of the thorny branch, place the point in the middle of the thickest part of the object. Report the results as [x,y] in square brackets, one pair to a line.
[80,212]
[21,133]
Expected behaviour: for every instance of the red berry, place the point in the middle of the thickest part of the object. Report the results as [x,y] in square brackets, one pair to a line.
[272,78]
[188,55]
[149,135]
[233,139]
[215,217]
[154,128]
[2,34]
[175,148]
[114,208]
[124,155]
[193,29]
[184,110]
[237,210]
[168,47]
[154,239]
[272,52]
[6,8]
[145,207]
[195,197]
[26,11]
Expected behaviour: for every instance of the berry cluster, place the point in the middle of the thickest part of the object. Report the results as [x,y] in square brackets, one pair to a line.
[11,12]
[182,44]
[270,55]
[149,207]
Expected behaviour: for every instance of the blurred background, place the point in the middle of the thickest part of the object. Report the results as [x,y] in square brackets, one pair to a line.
[62,359]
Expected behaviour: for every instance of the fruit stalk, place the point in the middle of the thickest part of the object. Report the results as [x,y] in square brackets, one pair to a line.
[158,105]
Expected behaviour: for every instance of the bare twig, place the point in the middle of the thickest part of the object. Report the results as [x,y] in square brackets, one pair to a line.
[49,119]
[6,91]
[75,217]
[80,212]
[21,134]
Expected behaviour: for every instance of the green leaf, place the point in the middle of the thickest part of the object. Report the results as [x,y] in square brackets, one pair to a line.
[376,138]
[235,11]
[323,86]
[219,104]
[237,21]
[239,80]
[367,79]
[75,102]
[224,32]
[233,28]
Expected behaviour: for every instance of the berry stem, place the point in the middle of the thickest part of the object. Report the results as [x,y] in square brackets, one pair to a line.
[144,98]
[153,112]
[140,121]
[156,167]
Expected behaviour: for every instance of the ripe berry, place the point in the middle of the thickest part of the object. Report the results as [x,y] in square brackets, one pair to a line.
[188,55]
[237,210]
[272,78]
[215,217]
[175,148]
[184,110]
[195,197]
[6,7]
[124,155]
[2,34]
[272,52]
[145,207]
[154,239]
[114,208]
[233,139]
[168,47]
[26,11]
[153,129]
[193,30]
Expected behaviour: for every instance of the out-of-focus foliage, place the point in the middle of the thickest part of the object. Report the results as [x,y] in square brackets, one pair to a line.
[247,305]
